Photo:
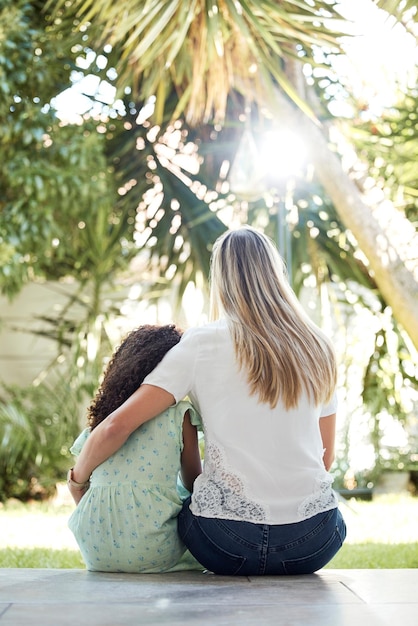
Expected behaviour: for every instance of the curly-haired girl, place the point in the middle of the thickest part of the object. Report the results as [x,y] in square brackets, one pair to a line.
[126,518]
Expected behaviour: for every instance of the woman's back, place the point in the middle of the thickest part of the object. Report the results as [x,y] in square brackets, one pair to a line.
[262,464]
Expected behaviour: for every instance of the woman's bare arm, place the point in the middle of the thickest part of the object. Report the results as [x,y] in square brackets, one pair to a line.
[191,464]
[147,402]
[327,427]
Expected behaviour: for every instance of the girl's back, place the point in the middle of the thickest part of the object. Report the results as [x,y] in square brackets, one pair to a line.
[127,519]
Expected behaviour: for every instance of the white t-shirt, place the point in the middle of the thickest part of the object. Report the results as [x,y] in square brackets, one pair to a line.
[261,465]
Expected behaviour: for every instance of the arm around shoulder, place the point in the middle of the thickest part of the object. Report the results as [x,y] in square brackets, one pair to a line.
[147,402]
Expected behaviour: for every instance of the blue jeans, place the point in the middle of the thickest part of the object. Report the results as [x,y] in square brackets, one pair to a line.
[245,549]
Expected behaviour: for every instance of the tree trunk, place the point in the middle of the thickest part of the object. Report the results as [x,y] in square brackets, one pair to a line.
[384,235]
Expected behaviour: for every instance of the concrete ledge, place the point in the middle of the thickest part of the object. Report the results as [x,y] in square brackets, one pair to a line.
[47,597]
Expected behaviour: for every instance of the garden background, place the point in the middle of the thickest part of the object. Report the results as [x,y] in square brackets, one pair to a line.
[134,133]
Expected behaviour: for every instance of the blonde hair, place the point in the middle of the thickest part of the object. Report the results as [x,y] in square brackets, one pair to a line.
[282,350]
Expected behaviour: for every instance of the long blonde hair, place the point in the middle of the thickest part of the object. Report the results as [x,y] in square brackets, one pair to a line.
[282,350]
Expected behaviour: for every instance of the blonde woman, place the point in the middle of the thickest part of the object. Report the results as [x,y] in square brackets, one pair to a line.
[263,378]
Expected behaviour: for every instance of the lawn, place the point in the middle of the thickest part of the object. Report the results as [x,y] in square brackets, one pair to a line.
[382,533]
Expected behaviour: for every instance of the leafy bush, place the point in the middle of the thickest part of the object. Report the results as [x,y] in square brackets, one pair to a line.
[37,426]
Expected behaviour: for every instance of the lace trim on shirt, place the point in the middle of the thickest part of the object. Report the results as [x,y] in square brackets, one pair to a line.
[322,499]
[222,493]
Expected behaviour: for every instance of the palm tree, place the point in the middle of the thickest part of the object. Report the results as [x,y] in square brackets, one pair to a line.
[204,51]
[207,54]
[383,233]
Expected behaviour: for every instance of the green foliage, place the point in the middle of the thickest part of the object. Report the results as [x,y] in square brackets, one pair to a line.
[389,375]
[49,195]
[161,47]
[389,143]
[37,427]
[34,59]
[81,201]
[39,423]
[56,194]
[386,373]
[158,169]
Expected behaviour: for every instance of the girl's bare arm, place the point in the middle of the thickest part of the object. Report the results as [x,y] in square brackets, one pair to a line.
[191,465]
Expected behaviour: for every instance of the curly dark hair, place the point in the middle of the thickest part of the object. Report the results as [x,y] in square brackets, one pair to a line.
[138,354]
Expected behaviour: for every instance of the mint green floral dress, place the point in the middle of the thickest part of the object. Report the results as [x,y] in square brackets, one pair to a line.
[127,520]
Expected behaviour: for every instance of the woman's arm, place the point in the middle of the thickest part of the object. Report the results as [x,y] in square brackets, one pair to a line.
[191,464]
[327,427]
[147,402]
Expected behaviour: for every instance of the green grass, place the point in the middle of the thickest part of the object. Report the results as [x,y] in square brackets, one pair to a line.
[351,556]
[381,534]
[376,556]
[41,558]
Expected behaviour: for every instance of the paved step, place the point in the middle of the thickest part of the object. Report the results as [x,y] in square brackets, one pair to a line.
[48,597]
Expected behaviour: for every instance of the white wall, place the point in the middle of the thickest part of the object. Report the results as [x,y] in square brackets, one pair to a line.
[23,354]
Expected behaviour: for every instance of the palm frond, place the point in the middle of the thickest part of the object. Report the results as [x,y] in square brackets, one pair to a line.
[402,11]
[205,50]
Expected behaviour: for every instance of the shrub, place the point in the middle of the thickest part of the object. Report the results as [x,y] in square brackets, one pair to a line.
[37,426]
